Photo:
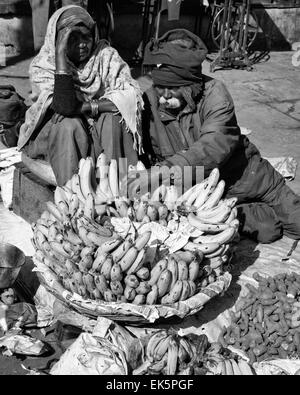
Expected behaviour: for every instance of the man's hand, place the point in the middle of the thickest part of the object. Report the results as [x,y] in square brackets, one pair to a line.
[106,105]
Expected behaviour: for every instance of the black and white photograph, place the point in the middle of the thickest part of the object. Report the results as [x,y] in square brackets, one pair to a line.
[149,190]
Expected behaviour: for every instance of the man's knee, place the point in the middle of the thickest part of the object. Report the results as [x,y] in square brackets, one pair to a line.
[70,125]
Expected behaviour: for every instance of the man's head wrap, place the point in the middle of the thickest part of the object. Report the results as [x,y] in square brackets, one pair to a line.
[176,58]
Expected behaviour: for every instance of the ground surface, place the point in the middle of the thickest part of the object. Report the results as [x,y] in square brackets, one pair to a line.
[267,102]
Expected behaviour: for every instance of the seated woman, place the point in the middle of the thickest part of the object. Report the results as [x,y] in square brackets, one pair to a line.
[86,101]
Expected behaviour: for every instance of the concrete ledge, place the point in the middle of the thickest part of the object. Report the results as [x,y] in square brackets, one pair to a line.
[29,194]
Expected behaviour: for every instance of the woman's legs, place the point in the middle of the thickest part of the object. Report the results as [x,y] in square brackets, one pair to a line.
[114,139]
[68,142]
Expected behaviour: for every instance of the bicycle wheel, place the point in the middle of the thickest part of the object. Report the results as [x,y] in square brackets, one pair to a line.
[217,27]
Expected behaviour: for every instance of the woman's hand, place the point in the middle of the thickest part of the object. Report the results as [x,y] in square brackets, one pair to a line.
[61,49]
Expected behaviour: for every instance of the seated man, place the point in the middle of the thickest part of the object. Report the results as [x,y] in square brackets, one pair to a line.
[85,98]
[189,120]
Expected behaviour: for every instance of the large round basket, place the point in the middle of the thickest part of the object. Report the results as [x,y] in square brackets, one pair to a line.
[128,312]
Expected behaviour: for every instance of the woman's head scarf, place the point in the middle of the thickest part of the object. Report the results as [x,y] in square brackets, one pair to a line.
[175,58]
[105,75]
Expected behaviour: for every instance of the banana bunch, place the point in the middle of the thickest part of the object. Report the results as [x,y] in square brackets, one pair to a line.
[232,367]
[166,353]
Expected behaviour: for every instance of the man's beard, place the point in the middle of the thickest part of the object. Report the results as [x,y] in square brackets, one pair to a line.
[172,103]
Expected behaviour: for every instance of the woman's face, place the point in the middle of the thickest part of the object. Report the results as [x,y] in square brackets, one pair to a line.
[80,44]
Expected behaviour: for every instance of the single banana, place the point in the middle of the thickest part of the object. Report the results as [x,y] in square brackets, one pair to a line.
[235,368]
[139,299]
[53,209]
[60,196]
[96,295]
[172,357]
[173,268]
[131,281]
[163,212]
[128,259]
[206,227]
[233,215]
[73,205]
[76,188]
[97,239]
[193,288]
[223,237]
[101,283]
[185,196]
[89,207]
[113,178]
[205,248]
[143,289]
[116,287]
[109,296]
[88,281]
[174,295]
[103,169]
[72,237]
[142,240]
[129,293]
[185,293]
[183,270]
[228,368]
[171,197]
[109,246]
[140,210]
[159,194]
[215,196]
[152,213]
[157,270]
[106,267]
[164,282]
[194,269]
[161,348]
[44,230]
[98,262]
[122,207]
[116,272]
[244,368]
[143,273]
[78,278]
[214,263]
[120,251]
[59,249]
[219,252]
[82,233]
[85,264]
[200,192]
[152,296]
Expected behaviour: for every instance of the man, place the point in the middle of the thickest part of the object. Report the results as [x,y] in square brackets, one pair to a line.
[189,120]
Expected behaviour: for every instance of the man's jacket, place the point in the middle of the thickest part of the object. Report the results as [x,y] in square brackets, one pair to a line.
[209,136]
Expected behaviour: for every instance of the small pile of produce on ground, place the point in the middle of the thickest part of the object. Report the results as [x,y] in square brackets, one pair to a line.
[97,243]
[266,323]
[167,353]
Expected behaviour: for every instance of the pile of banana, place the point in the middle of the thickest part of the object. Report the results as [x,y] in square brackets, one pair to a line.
[75,237]
[231,367]
[167,353]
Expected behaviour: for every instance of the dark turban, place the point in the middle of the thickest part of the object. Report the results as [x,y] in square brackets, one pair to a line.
[176,58]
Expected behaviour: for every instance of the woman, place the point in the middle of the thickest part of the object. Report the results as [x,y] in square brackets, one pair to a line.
[85,98]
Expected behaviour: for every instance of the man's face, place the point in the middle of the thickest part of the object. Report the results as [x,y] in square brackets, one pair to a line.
[80,44]
[170,97]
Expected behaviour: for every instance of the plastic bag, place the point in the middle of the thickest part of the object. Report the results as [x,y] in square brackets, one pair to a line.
[6,186]
[91,355]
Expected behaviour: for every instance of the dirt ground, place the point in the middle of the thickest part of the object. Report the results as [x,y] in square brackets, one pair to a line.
[267,101]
